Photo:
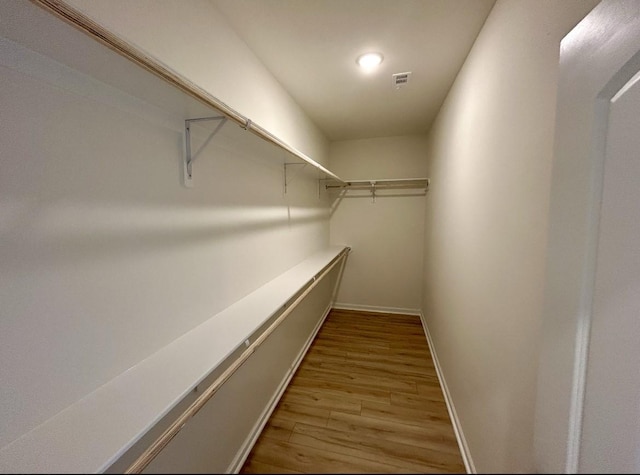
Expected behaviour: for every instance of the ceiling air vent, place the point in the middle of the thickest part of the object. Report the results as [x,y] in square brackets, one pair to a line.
[399,80]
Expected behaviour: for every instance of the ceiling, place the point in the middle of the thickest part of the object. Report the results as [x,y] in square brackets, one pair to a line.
[310,46]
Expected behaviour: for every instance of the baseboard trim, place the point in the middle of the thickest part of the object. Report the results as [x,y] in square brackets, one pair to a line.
[244,452]
[457,427]
[373,308]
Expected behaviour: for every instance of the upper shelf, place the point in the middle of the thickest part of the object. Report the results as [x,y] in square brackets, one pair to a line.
[134,77]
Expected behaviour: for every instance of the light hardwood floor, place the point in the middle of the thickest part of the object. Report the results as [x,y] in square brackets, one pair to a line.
[366,399]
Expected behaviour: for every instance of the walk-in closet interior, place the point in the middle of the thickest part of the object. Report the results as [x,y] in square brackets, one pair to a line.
[226,248]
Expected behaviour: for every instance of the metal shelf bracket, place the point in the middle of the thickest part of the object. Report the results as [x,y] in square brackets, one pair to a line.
[190,157]
[289,178]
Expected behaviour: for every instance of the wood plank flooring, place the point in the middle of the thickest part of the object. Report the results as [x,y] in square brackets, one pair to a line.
[366,399]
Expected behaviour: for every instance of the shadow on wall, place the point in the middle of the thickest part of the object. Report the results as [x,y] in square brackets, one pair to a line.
[76,233]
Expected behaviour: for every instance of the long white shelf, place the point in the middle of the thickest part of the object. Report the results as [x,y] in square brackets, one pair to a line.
[91,434]
[127,50]
[61,32]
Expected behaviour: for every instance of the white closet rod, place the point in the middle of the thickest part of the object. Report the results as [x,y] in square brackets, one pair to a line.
[96,31]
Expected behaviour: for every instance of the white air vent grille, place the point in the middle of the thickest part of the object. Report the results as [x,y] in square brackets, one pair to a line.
[399,80]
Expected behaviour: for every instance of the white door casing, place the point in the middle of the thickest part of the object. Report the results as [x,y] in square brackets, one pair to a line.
[611,411]
[588,406]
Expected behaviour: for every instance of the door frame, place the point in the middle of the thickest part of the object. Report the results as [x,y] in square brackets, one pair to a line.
[606,40]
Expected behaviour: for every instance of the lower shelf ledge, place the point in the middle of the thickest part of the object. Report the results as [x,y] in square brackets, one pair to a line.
[91,434]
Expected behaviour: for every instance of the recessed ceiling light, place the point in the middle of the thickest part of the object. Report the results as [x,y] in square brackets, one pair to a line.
[369,61]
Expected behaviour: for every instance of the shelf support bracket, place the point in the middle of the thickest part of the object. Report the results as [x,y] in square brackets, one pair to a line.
[190,157]
[289,179]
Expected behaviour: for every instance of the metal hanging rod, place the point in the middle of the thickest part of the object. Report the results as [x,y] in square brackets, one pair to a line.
[373,186]
[390,183]
[104,36]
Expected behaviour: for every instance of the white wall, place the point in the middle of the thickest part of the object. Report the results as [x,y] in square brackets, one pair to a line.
[105,256]
[490,153]
[384,270]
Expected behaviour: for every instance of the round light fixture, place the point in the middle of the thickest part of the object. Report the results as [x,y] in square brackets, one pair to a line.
[369,61]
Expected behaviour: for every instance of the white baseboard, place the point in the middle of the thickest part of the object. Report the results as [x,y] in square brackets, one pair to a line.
[372,308]
[243,453]
[457,428]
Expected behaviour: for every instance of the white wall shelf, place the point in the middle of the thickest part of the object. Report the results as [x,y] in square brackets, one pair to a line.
[131,70]
[161,381]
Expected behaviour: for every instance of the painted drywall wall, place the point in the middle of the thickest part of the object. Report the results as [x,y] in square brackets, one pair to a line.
[196,41]
[106,257]
[490,155]
[384,271]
